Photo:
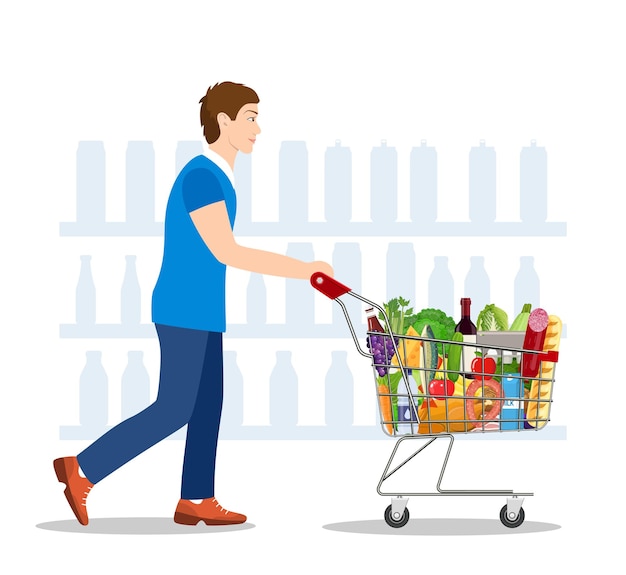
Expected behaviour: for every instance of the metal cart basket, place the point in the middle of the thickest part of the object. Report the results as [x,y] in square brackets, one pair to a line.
[421,396]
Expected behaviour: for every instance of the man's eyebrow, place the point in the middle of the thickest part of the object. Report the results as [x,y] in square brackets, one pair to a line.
[252,112]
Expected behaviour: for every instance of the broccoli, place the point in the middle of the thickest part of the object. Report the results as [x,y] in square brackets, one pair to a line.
[441,324]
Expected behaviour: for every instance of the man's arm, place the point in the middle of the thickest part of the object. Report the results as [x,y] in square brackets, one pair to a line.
[213,224]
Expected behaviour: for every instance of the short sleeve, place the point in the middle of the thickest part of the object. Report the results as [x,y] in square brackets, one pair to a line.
[201,188]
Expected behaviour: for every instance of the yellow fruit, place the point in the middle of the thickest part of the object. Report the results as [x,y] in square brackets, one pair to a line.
[460,385]
[409,350]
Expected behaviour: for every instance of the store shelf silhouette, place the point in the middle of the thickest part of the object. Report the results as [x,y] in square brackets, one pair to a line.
[135,385]
[293,190]
[94,417]
[300,297]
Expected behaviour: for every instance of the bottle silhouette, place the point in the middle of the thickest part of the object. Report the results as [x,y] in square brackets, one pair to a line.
[185,151]
[131,294]
[140,184]
[338,184]
[293,183]
[526,286]
[347,258]
[384,184]
[232,411]
[85,294]
[135,388]
[256,306]
[339,392]
[477,284]
[401,270]
[243,184]
[423,184]
[299,297]
[283,392]
[533,184]
[441,287]
[482,184]
[90,183]
[93,395]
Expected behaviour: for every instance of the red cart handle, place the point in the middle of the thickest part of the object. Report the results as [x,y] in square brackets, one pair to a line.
[330,287]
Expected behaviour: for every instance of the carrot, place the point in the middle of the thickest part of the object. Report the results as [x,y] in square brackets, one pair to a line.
[385,406]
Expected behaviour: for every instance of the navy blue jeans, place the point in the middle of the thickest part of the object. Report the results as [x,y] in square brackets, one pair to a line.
[190,393]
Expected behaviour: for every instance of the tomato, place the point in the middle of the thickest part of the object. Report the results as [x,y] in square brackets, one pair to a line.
[440,388]
[482,366]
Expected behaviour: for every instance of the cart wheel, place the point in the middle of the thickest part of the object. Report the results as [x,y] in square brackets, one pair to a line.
[400,521]
[511,521]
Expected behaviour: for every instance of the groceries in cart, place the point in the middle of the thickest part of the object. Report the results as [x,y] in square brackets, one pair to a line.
[435,374]
[436,377]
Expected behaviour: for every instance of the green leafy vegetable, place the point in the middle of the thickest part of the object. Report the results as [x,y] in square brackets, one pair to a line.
[492,318]
[441,324]
[397,310]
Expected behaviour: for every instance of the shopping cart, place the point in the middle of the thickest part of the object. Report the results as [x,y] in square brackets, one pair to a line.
[421,397]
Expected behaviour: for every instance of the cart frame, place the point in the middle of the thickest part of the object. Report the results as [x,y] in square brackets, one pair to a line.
[397,514]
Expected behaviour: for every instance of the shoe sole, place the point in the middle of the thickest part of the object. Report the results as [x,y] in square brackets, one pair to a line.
[61,472]
[184,519]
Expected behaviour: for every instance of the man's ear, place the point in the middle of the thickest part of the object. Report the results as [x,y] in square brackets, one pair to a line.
[223,120]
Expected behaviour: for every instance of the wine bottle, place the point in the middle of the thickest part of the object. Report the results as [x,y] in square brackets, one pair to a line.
[468,328]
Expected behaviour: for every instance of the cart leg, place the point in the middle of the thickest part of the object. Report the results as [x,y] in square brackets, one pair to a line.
[513,505]
[398,505]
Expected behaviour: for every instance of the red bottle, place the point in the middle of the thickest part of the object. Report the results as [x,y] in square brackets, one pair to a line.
[468,328]
[372,321]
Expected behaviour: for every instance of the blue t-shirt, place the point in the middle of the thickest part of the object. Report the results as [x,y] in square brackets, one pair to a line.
[190,289]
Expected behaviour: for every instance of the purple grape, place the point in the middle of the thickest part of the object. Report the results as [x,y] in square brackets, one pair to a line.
[383,351]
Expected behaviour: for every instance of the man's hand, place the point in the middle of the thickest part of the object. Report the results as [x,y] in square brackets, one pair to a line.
[321,267]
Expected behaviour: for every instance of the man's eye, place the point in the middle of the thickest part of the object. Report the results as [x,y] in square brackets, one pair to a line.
[250,119]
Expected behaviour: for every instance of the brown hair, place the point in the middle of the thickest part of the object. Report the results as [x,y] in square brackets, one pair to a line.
[227,97]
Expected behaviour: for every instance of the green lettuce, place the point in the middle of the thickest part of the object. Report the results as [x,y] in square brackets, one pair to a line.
[492,318]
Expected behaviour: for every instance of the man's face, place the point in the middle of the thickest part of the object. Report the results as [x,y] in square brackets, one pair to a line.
[243,130]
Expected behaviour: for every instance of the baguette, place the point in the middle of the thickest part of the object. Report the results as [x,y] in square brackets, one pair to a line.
[538,411]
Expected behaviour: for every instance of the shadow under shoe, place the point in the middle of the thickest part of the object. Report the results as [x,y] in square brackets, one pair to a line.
[77,487]
[209,511]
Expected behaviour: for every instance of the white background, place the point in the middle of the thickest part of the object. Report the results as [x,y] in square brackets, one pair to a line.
[449,72]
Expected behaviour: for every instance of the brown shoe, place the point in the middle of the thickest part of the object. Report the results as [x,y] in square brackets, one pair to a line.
[209,511]
[77,487]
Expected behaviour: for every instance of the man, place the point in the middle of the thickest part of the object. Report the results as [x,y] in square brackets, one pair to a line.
[189,313]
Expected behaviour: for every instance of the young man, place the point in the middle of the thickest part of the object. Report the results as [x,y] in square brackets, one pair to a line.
[189,313]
